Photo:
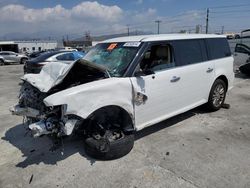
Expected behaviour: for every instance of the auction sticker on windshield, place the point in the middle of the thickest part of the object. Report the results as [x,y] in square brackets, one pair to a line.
[132,44]
[112,46]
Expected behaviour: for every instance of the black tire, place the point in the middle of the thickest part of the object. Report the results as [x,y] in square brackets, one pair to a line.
[105,150]
[217,95]
[23,60]
[2,62]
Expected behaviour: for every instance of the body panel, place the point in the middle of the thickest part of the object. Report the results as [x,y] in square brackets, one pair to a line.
[224,66]
[84,99]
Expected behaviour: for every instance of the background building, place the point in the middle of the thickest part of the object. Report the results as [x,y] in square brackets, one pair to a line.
[27,46]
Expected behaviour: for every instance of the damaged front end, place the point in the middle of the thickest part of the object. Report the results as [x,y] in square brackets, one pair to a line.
[42,119]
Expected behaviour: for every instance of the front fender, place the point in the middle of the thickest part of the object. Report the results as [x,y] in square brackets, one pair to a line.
[84,99]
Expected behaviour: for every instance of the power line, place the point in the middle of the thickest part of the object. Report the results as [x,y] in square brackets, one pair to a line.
[232,11]
[230,6]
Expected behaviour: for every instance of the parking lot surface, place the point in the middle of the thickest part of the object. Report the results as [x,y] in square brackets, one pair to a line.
[194,149]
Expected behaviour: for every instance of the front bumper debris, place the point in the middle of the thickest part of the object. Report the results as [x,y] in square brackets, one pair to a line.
[39,129]
[24,111]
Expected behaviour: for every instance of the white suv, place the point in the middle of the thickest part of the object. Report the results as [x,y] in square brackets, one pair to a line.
[124,85]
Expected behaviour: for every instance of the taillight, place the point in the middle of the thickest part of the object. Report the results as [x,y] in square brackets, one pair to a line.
[39,64]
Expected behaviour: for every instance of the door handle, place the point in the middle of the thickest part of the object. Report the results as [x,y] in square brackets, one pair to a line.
[210,70]
[175,79]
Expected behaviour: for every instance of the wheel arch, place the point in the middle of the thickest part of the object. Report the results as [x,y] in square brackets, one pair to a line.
[223,78]
[115,110]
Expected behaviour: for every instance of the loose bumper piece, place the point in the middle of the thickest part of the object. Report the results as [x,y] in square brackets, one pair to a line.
[39,128]
[27,111]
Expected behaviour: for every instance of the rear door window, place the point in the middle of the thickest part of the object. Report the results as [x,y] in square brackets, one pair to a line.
[190,51]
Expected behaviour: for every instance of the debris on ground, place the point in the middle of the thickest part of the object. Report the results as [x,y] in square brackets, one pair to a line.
[226,106]
[31,178]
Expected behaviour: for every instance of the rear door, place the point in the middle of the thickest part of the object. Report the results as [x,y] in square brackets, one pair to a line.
[197,71]
[13,57]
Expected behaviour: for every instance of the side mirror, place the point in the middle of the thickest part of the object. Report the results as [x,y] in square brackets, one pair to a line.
[148,72]
[143,73]
[139,74]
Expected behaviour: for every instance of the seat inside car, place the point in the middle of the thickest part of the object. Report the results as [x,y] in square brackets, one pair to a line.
[161,58]
[157,58]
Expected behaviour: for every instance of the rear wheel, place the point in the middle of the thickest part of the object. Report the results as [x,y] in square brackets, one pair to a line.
[23,61]
[217,95]
[1,62]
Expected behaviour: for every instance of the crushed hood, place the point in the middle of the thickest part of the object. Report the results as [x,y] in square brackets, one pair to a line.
[53,74]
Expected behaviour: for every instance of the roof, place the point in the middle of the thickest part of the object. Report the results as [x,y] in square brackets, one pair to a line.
[26,41]
[160,37]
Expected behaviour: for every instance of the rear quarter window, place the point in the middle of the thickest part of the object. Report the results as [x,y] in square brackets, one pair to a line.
[218,48]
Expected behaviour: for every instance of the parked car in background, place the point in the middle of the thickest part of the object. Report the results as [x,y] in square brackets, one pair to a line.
[35,54]
[125,84]
[242,53]
[12,57]
[35,65]
[245,33]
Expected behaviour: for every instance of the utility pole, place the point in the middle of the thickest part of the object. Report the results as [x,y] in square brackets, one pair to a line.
[207,20]
[158,26]
[222,30]
[128,29]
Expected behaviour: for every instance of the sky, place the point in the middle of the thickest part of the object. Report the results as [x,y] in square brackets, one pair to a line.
[59,18]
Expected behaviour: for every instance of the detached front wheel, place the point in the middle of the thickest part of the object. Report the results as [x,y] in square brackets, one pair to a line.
[217,95]
[113,144]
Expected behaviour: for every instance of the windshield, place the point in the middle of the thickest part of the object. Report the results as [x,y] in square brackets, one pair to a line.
[115,57]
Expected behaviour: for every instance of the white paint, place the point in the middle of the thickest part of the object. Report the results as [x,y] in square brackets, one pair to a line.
[50,75]
[84,99]
[165,98]
[161,37]
[69,126]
